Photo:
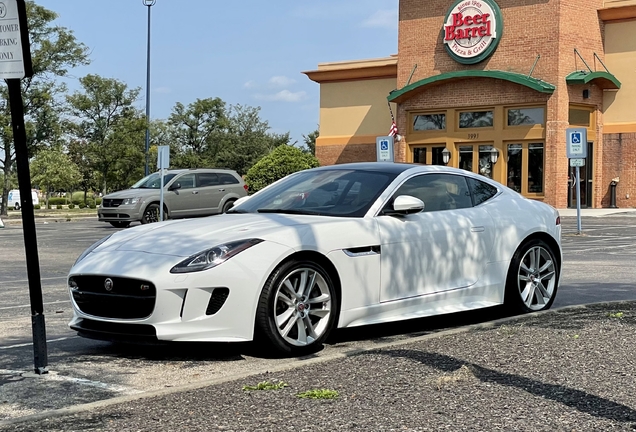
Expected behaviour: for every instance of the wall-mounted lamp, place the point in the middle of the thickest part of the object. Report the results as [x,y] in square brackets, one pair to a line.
[446,155]
[494,155]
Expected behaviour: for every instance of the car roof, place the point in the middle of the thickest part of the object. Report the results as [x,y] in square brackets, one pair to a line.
[393,168]
[178,171]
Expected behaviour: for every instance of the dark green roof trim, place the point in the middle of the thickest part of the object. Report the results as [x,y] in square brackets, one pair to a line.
[604,80]
[524,80]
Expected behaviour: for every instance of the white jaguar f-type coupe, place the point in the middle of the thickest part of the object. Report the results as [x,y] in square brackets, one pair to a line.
[331,247]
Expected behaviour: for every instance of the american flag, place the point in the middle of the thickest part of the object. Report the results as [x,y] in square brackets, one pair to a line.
[394,130]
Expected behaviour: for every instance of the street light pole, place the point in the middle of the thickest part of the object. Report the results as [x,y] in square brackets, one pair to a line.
[149,4]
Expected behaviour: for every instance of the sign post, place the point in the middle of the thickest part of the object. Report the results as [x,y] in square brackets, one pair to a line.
[163,162]
[384,148]
[577,152]
[15,64]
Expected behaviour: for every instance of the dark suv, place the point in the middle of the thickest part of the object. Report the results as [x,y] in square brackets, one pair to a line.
[187,193]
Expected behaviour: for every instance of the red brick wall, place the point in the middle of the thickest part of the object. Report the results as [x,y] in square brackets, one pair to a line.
[619,160]
[338,154]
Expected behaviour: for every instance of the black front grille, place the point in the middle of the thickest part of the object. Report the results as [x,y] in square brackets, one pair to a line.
[112,202]
[126,299]
[115,331]
[219,295]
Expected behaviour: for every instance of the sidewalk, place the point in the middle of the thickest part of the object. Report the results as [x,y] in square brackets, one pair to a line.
[569,369]
[587,212]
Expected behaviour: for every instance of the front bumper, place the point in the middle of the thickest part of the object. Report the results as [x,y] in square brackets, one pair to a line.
[186,306]
[130,213]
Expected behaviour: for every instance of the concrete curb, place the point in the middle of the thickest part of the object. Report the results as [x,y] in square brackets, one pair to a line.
[298,363]
[50,219]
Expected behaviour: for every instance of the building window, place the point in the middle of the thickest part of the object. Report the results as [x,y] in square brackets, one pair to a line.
[427,122]
[535,168]
[515,162]
[526,116]
[419,155]
[485,166]
[579,117]
[475,119]
[466,158]
[438,156]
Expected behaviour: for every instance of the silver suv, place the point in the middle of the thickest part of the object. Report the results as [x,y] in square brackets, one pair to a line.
[187,193]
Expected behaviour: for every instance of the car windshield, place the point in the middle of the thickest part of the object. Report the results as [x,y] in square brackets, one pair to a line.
[331,192]
[153,181]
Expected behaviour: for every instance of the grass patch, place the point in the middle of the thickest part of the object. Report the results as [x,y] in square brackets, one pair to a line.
[319,394]
[266,385]
[464,373]
[616,315]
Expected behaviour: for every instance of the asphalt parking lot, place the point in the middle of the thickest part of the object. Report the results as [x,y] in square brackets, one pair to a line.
[598,267]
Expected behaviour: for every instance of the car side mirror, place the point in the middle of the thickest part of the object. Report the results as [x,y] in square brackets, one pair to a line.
[174,186]
[406,204]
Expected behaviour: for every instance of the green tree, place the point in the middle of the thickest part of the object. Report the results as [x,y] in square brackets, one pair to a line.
[195,130]
[101,112]
[53,170]
[282,161]
[310,142]
[246,140]
[77,152]
[54,50]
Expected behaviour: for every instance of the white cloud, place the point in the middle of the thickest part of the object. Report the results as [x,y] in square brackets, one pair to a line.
[163,90]
[386,18]
[250,84]
[283,96]
[281,81]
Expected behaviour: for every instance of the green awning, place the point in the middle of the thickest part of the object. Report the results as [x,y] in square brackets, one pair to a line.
[524,80]
[604,80]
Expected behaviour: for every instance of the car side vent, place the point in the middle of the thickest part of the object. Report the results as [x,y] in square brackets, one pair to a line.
[219,295]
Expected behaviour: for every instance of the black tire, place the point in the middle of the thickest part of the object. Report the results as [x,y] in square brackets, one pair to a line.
[151,214]
[227,206]
[270,305]
[16,206]
[527,282]
[120,224]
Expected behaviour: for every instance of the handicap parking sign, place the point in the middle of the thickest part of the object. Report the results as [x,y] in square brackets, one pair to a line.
[384,145]
[384,148]
[576,143]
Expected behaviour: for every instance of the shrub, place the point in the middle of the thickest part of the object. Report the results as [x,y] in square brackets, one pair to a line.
[98,201]
[59,206]
[92,206]
[282,161]
[71,206]
[57,200]
[36,207]
[82,205]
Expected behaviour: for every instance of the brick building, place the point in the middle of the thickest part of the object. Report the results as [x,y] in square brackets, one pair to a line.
[504,77]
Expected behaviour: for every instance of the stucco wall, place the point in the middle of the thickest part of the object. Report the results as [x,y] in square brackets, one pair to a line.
[620,58]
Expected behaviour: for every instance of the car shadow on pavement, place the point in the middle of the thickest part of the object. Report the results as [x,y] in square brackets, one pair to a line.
[581,401]
[417,327]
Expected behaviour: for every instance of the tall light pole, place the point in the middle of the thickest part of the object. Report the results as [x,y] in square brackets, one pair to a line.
[149,4]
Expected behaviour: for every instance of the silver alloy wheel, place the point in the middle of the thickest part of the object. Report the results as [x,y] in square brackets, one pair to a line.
[536,278]
[302,306]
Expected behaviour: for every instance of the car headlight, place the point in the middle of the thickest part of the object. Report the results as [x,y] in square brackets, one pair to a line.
[91,249]
[130,201]
[213,257]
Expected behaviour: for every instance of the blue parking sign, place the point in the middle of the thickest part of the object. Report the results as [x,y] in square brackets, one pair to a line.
[384,148]
[384,145]
[576,138]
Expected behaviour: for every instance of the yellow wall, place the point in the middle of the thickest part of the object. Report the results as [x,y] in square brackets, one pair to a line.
[355,108]
[620,58]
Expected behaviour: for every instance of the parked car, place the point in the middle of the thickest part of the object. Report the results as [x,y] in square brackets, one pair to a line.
[330,247]
[187,193]
[13,199]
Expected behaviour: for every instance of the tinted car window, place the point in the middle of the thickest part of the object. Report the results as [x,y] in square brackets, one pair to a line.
[328,192]
[186,181]
[208,179]
[481,191]
[438,191]
[228,179]
[153,181]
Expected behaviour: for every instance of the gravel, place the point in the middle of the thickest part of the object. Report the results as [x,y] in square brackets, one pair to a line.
[566,370]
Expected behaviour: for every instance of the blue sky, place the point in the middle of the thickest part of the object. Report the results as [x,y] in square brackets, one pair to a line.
[248,52]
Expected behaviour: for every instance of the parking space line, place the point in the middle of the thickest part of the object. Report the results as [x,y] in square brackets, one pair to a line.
[26,306]
[26,280]
[31,343]
[53,376]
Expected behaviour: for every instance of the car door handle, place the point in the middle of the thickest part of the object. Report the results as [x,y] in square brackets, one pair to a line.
[221,190]
[477,229]
[195,192]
